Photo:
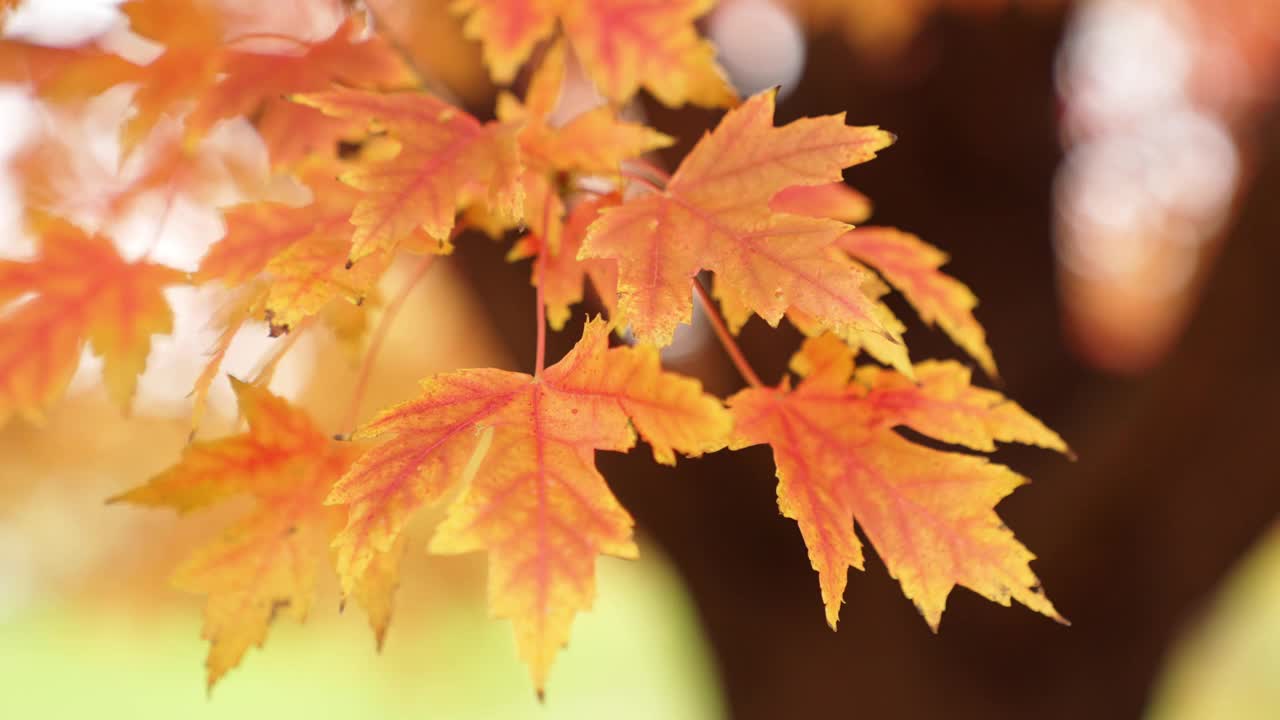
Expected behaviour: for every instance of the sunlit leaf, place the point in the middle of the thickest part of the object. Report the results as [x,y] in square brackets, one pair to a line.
[929,513]
[78,290]
[523,449]
[714,215]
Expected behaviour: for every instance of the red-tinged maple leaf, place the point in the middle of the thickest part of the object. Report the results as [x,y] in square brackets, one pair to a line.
[624,44]
[929,513]
[911,265]
[437,159]
[350,57]
[532,496]
[266,563]
[81,291]
[714,214]
[562,274]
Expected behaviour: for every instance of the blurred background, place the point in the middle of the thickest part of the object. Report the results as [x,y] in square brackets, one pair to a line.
[1105,175]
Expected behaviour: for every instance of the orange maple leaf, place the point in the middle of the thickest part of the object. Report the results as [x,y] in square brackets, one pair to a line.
[200,71]
[437,159]
[714,214]
[624,44]
[594,142]
[562,274]
[350,57]
[266,563]
[82,292]
[293,133]
[911,265]
[929,513]
[523,449]
[302,250]
[834,200]
[61,74]
[191,34]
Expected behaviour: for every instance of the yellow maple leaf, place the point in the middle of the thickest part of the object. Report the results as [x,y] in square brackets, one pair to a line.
[266,563]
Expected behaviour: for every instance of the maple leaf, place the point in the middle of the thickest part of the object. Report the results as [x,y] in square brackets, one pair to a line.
[215,80]
[594,142]
[911,265]
[929,513]
[294,133]
[350,57]
[61,74]
[562,274]
[834,200]
[266,563]
[190,32]
[82,291]
[623,44]
[523,448]
[714,214]
[437,159]
[303,250]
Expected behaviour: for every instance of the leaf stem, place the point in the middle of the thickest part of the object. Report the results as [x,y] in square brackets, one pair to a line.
[642,179]
[726,337]
[540,358]
[276,37]
[652,169]
[377,339]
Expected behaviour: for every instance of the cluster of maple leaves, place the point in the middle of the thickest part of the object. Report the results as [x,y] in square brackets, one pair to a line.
[392,169]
